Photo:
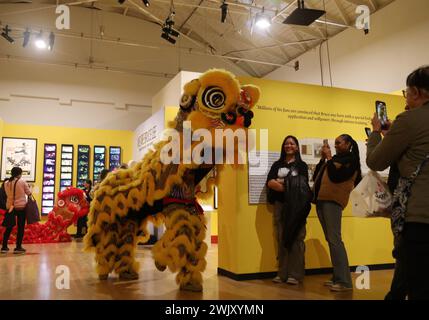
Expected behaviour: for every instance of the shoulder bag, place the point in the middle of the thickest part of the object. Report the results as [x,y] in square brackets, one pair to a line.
[400,199]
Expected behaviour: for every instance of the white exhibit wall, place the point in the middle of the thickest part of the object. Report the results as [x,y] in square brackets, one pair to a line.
[40,94]
[170,95]
[380,61]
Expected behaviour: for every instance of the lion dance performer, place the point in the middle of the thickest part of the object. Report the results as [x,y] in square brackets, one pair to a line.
[70,206]
[165,192]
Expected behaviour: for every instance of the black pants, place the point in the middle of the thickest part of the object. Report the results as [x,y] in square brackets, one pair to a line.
[82,226]
[20,215]
[416,259]
[398,288]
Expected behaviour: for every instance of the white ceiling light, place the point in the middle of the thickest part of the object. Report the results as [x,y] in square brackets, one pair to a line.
[262,20]
[39,42]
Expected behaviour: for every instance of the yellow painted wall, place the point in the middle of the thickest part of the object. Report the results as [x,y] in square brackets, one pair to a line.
[66,135]
[214,223]
[398,93]
[246,238]
[170,114]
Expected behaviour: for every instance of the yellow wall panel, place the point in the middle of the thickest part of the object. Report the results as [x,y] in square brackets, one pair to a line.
[246,236]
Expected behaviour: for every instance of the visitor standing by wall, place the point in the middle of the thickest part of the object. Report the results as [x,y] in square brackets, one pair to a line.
[335,178]
[17,191]
[289,225]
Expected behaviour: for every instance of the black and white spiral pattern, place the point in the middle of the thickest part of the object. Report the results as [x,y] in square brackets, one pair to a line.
[213,98]
[187,102]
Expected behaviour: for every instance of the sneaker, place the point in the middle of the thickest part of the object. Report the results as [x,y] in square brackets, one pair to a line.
[278,280]
[19,251]
[328,283]
[4,250]
[292,281]
[340,288]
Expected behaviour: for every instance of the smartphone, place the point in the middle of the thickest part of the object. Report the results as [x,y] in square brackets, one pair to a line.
[381,109]
[368,132]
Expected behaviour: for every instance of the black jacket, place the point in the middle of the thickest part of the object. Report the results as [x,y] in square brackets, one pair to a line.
[296,207]
[272,195]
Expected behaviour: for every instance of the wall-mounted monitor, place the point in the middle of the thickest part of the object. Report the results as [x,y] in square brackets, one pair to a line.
[114,157]
[99,161]
[66,171]
[83,156]
[49,168]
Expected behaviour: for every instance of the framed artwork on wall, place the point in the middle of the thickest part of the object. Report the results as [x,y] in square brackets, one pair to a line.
[19,152]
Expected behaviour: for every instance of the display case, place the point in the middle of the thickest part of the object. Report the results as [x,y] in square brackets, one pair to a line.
[114,157]
[83,156]
[99,161]
[66,172]
[48,188]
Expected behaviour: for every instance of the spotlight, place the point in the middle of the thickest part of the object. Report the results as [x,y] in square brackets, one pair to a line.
[51,41]
[40,43]
[296,66]
[168,30]
[262,20]
[174,33]
[146,3]
[170,20]
[27,35]
[5,34]
[224,11]
[168,38]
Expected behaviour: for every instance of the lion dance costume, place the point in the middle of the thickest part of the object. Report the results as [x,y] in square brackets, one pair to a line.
[70,206]
[153,191]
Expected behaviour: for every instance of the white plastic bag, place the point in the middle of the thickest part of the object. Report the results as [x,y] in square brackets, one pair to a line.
[371,197]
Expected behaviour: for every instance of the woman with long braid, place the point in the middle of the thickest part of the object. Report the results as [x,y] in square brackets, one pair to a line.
[335,177]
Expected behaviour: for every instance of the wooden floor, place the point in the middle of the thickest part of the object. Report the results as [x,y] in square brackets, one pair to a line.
[33,276]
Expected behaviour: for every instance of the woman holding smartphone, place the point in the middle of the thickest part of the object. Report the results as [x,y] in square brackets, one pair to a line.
[291,258]
[335,178]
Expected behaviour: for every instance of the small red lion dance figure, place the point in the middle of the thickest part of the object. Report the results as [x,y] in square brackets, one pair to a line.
[70,206]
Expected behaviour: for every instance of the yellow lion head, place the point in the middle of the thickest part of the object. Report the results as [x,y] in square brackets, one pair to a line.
[216,99]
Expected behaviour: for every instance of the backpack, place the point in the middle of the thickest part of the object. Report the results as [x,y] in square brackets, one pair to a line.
[3,197]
